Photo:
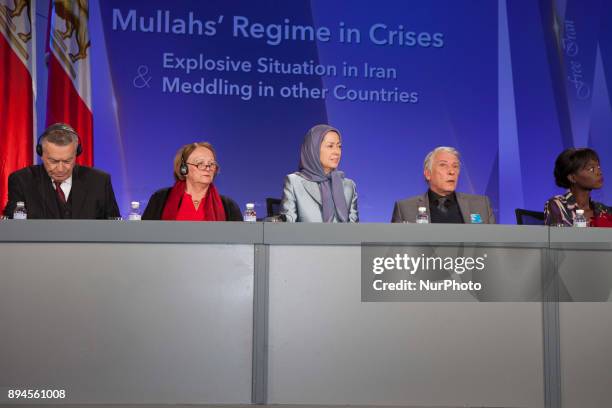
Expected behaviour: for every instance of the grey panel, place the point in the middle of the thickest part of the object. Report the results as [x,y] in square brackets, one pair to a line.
[581,238]
[139,323]
[586,354]
[550,322]
[584,275]
[124,231]
[354,234]
[260,326]
[586,329]
[326,347]
[268,233]
[128,323]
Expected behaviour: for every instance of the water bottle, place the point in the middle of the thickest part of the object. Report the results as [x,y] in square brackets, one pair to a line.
[249,213]
[422,217]
[135,211]
[579,219]
[20,212]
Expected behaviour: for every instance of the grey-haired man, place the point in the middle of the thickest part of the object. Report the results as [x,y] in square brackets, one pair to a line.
[59,188]
[443,204]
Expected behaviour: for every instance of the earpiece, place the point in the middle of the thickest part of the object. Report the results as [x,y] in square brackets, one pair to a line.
[183,169]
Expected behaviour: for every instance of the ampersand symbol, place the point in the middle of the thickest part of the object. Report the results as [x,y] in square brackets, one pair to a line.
[143,79]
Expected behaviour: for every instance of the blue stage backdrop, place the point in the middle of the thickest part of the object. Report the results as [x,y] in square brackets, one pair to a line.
[508,84]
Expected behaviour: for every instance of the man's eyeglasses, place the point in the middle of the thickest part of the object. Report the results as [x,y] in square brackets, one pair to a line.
[205,166]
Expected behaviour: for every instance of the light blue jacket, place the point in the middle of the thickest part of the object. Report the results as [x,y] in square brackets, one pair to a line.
[302,200]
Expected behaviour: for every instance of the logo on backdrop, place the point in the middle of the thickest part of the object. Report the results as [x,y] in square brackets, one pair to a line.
[13,23]
[75,15]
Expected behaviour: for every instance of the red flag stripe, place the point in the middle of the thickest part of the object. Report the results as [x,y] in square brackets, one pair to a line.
[69,78]
[16,116]
[64,104]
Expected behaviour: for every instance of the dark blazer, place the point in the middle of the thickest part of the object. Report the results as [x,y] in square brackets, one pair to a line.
[406,210]
[91,195]
[156,204]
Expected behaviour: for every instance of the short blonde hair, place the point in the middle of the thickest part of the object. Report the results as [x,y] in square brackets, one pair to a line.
[183,154]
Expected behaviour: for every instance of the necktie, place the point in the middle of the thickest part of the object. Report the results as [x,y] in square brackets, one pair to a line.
[442,204]
[60,192]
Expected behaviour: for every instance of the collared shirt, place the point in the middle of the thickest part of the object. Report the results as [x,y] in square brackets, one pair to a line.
[444,209]
[66,186]
[561,209]
[187,211]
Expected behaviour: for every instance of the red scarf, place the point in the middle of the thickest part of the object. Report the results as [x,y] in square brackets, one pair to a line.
[213,206]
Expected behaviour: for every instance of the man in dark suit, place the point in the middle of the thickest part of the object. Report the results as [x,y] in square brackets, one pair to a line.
[443,205]
[59,188]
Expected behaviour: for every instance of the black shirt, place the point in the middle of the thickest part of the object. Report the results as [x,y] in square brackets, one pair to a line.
[444,209]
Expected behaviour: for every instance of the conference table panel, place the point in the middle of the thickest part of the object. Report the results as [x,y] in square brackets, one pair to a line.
[127,322]
[235,313]
[584,264]
[326,346]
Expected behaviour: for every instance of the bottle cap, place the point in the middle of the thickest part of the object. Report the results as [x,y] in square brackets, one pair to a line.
[135,204]
[422,209]
[580,212]
[250,206]
[20,203]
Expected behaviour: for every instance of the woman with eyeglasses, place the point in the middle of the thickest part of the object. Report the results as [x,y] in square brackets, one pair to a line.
[579,171]
[193,197]
[319,192]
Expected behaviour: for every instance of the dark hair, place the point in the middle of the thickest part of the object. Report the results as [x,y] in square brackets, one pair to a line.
[570,161]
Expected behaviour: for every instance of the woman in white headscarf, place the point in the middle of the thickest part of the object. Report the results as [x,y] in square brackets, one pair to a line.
[319,192]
